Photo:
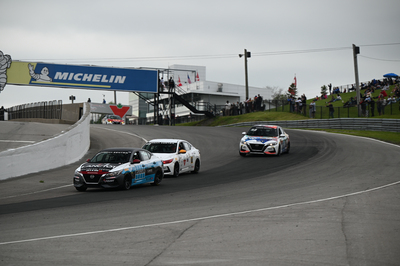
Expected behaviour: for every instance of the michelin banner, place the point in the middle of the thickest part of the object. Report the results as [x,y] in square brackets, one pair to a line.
[84,77]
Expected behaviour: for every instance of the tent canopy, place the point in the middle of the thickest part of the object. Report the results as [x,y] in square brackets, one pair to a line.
[390,75]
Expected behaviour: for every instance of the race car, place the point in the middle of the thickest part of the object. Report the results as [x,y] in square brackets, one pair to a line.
[178,156]
[264,139]
[119,168]
[112,119]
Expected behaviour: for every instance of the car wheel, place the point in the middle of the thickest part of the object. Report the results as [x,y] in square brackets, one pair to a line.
[279,151]
[242,154]
[196,167]
[176,169]
[82,188]
[157,178]
[288,148]
[127,183]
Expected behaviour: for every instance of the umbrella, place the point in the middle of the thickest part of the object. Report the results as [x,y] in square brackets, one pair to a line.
[390,75]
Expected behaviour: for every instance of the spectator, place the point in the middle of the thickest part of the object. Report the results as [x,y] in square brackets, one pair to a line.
[227,108]
[312,109]
[171,84]
[331,110]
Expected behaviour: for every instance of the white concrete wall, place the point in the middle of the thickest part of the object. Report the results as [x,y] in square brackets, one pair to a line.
[65,148]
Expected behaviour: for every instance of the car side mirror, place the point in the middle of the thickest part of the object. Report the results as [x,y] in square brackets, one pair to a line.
[243,133]
[88,160]
[135,161]
[282,135]
[182,151]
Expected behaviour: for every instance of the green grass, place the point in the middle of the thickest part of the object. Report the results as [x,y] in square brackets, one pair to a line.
[392,137]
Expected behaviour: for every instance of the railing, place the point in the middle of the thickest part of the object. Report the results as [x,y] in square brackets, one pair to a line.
[391,125]
[46,110]
[339,112]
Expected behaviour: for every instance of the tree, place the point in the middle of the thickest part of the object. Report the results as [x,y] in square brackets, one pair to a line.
[292,90]
[324,90]
[278,94]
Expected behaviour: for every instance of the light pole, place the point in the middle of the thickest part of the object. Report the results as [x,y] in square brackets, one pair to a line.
[246,55]
[356,51]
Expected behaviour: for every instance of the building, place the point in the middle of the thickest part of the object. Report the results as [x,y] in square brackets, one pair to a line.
[192,85]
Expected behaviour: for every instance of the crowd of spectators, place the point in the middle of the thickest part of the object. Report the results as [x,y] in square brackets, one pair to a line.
[368,102]
[248,106]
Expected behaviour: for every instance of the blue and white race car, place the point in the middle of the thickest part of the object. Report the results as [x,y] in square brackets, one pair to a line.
[119,168]
[264,139]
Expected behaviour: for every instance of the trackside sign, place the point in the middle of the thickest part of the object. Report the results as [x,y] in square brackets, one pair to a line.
[84,77]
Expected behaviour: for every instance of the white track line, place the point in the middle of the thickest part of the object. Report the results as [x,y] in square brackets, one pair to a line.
[198,218]
[19,141]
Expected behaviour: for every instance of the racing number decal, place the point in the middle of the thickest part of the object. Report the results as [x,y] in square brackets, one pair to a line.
[140,173]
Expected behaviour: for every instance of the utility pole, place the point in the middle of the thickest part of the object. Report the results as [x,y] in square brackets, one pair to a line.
[356,51]
[246,55]
[245,70]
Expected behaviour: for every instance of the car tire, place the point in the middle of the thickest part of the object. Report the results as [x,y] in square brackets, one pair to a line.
[279,151]
[157,178]
[242,154]
[126,185]
[196,167]
[176,170]
[288,148]
[81,189]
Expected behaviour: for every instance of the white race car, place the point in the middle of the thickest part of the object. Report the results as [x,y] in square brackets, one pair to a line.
[178,156]
[264,139]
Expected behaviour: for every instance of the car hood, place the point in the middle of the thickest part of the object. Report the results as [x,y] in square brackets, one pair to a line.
[255,139]
[104,167]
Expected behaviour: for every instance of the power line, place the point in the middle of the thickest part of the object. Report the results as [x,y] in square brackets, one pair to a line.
[218,56]
[378,59]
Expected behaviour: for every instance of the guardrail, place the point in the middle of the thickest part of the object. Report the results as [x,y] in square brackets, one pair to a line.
[391,125]
[63,149]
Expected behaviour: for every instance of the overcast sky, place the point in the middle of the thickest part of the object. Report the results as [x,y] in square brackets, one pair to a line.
[311,39]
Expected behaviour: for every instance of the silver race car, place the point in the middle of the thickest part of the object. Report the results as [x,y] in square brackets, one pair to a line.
[264,139]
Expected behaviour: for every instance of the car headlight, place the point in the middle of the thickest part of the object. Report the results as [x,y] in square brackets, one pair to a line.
[272,144]
[113,174]
[78,173]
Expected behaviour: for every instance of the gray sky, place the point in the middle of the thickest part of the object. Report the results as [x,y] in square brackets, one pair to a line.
[311,39]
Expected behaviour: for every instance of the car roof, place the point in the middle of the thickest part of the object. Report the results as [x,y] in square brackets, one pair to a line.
[123,149]
[166,140]
[270,126]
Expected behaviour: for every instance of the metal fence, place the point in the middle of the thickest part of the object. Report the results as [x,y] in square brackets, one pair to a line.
[373,124]
[45,110]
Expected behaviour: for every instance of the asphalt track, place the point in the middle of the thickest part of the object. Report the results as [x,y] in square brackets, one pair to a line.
[334,200]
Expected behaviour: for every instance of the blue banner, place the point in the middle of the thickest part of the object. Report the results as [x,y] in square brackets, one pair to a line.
[86,77]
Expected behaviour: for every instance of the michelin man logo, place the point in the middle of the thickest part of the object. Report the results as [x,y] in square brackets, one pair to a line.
[5,62]
[43,76]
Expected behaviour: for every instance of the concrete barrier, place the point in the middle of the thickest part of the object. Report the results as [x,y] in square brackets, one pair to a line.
[65,148]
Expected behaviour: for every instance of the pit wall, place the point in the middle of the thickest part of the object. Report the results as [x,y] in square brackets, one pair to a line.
[63,149]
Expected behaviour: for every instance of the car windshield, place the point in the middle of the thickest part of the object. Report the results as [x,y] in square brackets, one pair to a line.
[114,117]
[263,132]
[112,157]
[160,147]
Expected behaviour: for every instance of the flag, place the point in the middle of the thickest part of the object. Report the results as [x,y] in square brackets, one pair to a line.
[189,79]
[295,81]
[197,77]
[179,82]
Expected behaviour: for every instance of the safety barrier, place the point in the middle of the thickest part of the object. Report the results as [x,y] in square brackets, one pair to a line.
[65,148]
[391,125]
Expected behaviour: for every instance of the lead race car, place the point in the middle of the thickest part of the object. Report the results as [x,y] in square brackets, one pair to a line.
[264,139]
[119,168]
[178,156]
